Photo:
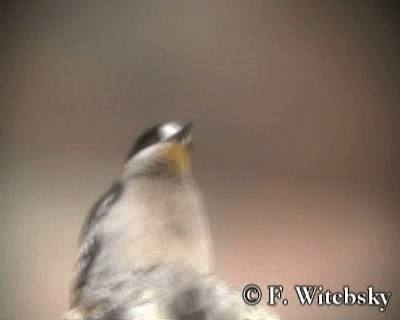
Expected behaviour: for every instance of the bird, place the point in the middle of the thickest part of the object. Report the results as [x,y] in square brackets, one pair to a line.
[145,249]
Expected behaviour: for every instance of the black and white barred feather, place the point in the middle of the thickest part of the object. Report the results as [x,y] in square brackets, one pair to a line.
[89,243]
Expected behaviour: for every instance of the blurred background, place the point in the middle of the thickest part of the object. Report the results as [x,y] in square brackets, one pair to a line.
[296,113]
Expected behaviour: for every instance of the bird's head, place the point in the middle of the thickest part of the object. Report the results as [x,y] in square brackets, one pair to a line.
[163,148]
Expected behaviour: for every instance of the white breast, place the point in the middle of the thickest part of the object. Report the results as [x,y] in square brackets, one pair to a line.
[156,223]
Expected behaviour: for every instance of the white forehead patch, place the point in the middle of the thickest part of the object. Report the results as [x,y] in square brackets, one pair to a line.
[169,129]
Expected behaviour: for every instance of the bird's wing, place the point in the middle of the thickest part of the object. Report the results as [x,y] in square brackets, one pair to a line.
[89,244]
[101,208]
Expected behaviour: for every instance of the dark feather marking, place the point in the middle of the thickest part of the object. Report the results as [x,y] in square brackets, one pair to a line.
[90,245]
[146,139]
[88,254]
[101,207]
[188,306]
[154,135]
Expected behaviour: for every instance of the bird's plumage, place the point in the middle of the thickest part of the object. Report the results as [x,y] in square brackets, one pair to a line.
[145,247]
[169,292]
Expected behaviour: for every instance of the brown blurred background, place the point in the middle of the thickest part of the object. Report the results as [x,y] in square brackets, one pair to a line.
[295,105]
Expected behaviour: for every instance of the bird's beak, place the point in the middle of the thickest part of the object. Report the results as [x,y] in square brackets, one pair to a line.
[183,136]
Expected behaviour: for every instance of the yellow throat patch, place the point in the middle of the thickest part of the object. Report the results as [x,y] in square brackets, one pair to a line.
[177,158]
